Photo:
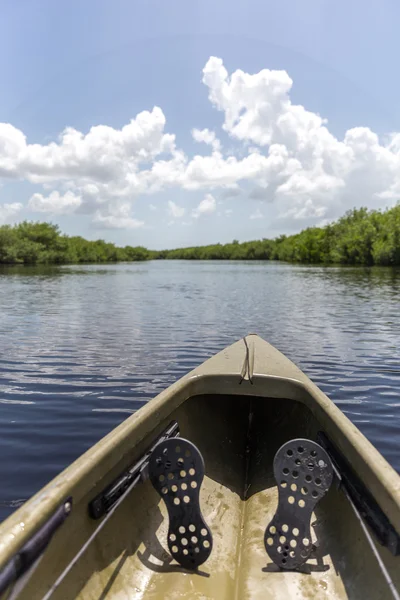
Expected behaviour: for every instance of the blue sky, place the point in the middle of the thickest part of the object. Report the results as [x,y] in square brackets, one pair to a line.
[84,64]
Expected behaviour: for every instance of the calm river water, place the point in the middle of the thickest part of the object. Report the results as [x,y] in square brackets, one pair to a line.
[81,348]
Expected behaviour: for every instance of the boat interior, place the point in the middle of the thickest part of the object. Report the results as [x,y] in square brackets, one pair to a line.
[238,437]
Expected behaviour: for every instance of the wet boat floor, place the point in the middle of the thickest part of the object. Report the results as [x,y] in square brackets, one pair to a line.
[239,567]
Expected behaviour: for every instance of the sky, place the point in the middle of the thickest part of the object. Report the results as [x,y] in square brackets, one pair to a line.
[169,124]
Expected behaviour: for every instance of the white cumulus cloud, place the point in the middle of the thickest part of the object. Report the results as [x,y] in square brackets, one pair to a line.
[174,210]
[206,136]
[206,207]
[95,170]
[281,153]
[116,216]
[55,203]
[311,172]
[105,221]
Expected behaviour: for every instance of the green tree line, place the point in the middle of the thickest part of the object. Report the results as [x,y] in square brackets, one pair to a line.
[43,243]
[361,236]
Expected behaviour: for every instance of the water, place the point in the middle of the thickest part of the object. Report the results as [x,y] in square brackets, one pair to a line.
[82,348]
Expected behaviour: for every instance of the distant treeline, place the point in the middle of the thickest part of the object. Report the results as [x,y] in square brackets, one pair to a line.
[360,237]
[43,243]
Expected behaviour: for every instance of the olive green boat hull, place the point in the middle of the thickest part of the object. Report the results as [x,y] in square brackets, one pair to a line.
[238,427]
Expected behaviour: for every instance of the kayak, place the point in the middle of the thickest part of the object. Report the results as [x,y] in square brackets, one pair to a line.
[215,458]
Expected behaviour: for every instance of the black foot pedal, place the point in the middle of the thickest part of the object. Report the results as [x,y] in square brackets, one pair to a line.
[176,470]
[303,472]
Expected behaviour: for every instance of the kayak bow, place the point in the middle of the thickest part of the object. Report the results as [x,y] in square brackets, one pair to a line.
[101,530]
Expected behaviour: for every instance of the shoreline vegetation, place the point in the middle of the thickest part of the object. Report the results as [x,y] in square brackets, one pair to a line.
[360,237]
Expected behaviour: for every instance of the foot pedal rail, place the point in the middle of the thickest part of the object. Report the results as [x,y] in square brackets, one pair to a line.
[131,477]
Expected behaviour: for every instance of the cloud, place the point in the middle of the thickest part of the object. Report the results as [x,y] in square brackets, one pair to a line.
[152,207]
[216,171]
[103,153]
[9,211]
[281,151]
[206,207]
[311,171]
[55,203]
[102,221]
[99,167]
[250,102]
[208,137]
[174,210]
[117,216]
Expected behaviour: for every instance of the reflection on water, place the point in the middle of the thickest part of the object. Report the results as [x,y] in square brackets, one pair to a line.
[81,348]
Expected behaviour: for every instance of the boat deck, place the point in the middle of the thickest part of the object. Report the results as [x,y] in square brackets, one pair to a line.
[130,558]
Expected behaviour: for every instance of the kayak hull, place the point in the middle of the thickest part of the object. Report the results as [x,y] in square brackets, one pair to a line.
[238,408]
